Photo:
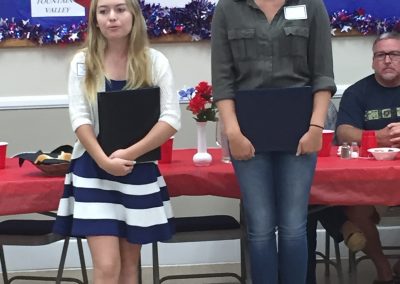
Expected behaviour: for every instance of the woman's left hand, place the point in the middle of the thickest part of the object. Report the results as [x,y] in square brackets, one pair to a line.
[121,153]
[310,142]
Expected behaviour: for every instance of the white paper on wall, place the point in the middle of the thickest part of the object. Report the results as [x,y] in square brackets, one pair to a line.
[45,8]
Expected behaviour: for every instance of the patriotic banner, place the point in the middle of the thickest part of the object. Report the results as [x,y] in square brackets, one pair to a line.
[54,12]
[377,8]
[47,13]
[64,21]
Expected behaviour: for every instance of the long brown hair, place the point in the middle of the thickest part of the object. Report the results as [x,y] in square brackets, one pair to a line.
[138,66]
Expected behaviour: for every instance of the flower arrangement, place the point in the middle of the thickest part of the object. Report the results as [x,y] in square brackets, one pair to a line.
[200,102]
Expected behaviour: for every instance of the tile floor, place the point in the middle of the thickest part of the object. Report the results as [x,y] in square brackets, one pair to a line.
[365,276]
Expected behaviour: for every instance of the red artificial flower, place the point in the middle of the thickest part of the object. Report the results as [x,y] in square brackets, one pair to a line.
[197,104]
[204,89]
[201,103]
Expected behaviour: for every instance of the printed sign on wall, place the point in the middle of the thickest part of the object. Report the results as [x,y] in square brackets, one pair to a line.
[45,8]
[47,13]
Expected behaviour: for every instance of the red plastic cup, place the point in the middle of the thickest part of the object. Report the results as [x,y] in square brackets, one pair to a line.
[327,138]
[368,140]
[3,154]
[166,151]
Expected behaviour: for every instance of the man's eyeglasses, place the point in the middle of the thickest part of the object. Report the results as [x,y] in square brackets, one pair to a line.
[393,55]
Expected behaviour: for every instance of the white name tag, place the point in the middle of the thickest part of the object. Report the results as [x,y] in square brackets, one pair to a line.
[298,12]
[80,69]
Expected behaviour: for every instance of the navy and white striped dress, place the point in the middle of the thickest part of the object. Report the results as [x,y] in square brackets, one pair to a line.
[95,203]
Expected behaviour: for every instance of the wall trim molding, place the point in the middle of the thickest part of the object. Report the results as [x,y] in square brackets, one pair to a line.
[61,101]
[33,102]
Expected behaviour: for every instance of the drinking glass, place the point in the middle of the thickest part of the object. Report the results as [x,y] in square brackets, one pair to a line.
[222,141]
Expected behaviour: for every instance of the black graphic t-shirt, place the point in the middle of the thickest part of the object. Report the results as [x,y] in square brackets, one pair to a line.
[368,105]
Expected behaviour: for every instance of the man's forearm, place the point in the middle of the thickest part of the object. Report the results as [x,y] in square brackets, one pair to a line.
[348,133]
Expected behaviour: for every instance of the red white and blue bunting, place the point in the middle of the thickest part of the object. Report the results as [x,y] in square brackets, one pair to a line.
[194,19]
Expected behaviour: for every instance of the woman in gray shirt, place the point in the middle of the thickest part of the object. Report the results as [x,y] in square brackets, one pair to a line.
[273,44]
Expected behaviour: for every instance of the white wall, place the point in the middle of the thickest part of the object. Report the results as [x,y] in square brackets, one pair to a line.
[43,70]
[38,77]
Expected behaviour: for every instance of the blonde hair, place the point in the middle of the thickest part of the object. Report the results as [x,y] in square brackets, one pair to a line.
[138,65]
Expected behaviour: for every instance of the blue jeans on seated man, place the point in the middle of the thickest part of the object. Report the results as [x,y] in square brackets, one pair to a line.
[275,188]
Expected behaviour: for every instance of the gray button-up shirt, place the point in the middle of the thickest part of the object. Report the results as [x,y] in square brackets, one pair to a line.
[249,52]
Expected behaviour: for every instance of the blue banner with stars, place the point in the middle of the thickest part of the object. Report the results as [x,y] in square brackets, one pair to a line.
[42,21]
[63,21]
[22,9]
[43,12]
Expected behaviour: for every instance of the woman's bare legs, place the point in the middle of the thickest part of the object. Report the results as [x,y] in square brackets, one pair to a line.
[130,254]
[106,259]
[115,261]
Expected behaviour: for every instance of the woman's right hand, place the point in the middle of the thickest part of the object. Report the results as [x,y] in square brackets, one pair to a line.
[240,147]
[117,166]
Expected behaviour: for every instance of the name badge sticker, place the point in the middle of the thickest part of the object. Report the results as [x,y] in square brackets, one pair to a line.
[80,69]
[298,12]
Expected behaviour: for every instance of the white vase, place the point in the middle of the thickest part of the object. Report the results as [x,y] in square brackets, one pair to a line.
[202,158]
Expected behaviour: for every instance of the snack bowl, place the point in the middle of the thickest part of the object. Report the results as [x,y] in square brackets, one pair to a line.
[384,153]
[54,163]
[54,169]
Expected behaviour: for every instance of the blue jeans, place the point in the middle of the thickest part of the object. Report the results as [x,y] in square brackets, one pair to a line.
[275,187]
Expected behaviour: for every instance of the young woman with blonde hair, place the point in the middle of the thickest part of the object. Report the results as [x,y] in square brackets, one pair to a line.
[116,204]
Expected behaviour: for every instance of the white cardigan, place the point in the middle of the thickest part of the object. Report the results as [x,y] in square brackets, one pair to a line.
[84,112]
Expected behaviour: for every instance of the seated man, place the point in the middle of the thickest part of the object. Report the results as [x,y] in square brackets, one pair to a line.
[333,219]
[373,103]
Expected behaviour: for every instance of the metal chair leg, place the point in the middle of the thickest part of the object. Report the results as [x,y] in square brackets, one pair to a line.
[339,269]
[62,261]
[327,253]
[3,266]
[140,269]
[85,279]
[156,267]
[326,260]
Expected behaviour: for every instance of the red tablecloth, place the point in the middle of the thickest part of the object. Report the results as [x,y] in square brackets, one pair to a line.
[356,181]
[27,189]
[336,181]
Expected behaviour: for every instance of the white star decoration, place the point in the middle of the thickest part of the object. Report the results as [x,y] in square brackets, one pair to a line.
[56,38]
[333,31]
[346,29]
[74,37]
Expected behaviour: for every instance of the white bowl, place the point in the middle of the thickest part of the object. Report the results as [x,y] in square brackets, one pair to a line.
[384,153]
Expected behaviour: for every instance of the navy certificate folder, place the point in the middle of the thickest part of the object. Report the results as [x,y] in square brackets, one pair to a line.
[274,119]
[125,117]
